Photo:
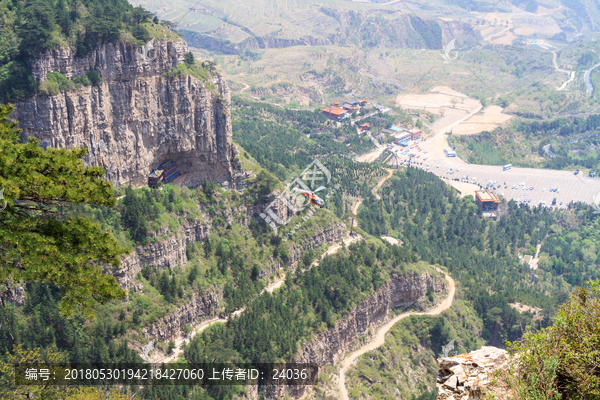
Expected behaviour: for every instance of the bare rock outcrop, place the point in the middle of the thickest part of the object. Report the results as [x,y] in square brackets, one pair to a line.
[200,308]
[138,117]
[466,376]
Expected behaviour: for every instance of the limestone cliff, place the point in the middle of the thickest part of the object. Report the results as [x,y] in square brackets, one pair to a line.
[136,118]
[330,346]
[168,250]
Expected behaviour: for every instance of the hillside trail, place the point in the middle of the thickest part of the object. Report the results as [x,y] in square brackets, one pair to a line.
[533,264]
[571,73]
[181,339]
[379,184]
[379,338]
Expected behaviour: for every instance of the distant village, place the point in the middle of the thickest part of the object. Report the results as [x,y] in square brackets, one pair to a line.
[353,109]
[349,110]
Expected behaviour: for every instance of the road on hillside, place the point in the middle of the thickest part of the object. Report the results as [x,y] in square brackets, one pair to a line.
[181,339]
[381,182]
[379,338]
[570,187]
[588,82]
[571,73]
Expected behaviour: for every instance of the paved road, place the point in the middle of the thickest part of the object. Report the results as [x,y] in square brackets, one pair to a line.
[571,187]
[588,82]
[379,338]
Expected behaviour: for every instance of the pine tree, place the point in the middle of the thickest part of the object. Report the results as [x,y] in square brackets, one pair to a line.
[39,242]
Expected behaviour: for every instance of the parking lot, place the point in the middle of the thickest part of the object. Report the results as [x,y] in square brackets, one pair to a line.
[570,187]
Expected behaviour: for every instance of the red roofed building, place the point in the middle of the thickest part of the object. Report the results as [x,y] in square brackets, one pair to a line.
[415,133]
[334,112]
[365,127]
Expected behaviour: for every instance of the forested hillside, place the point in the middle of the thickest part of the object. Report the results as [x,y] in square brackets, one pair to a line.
[33,26]
[236,259]
[554,144]
[483,254]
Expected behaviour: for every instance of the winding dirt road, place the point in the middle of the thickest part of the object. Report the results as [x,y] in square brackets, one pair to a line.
[381,182]
[571,73]
[379,339]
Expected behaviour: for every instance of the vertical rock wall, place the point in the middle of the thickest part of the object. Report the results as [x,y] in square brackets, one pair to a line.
[137,118]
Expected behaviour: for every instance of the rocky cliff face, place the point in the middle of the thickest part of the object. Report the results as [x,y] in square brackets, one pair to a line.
[137,118]
[170,251]
[329,347]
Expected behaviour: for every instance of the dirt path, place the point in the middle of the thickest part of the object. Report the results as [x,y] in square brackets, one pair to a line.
[182,339]
[533,264]
[572,73]
[379,339]
[390,172]
[334,249]
[381,182]
[355,207]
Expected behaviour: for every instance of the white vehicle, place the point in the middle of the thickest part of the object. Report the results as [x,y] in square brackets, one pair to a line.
[507,167]
[438,166]
[543,189]
[557,191]
[424,158]
[525,194]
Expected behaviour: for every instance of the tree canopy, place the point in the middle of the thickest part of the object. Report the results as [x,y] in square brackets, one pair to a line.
[40,243]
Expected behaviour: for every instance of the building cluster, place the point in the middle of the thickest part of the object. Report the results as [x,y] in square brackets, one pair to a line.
[339,112]
[402,134]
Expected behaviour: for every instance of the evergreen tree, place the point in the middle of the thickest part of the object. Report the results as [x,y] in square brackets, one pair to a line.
[38,242]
